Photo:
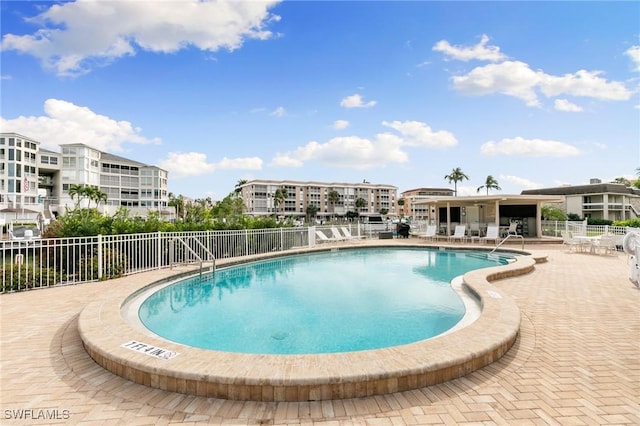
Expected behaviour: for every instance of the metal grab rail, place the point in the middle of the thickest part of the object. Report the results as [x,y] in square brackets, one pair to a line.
[505,239]
[193,253]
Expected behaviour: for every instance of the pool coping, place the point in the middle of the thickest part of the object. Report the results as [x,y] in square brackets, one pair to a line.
[257,377]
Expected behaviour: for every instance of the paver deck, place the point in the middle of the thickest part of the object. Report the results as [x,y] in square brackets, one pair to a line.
[576,361]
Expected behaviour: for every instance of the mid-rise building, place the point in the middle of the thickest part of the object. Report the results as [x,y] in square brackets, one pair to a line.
[597,200]
[409,208]
[331,199]
[36,182]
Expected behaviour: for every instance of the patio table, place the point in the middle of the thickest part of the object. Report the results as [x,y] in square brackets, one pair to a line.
[588,240]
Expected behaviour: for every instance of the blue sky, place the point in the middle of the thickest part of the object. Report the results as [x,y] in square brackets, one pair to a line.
[536,94]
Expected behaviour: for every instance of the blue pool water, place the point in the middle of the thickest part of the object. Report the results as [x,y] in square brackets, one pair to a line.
[347,300]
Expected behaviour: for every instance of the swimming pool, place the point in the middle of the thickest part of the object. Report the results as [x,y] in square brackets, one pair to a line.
[124,347]
[351,300]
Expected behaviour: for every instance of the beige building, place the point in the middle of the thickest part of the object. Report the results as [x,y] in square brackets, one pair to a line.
[477,212]
[412,209]
[259,198]
[35,182]
[597,200]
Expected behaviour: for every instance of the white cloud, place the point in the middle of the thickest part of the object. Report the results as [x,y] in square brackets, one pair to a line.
[340,124]
[520,182]
[565,105]
[278,112]
[479,51]
[181,164]
[285,160]
[353,152]
[77,35]
[65,122]
[362,153]
[584,83]
[355,101]
[513,78]
[517,79]
[634,53]
[416,133]
[519,146]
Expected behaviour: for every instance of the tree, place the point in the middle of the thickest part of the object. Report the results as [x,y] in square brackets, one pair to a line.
[238,188]
[312,209]
[456,175]
[178,203]
[99,197]
[622,180]
[360,203]
[76,190]
[334,197]
[280,196]
[552,213]
[490,183]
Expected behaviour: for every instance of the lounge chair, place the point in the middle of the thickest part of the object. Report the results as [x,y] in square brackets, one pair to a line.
[493,233]
[459,233]
[347,234]
[336,235]
[323,238]
[474,229]
[430,233]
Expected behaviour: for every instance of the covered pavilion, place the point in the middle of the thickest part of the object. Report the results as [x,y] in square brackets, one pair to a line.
[483,210]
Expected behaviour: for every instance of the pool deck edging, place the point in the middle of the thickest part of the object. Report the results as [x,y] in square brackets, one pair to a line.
[307,377]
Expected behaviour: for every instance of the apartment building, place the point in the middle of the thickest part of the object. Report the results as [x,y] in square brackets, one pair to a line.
[260,200]
[597,200]
[409,208]
[35,182]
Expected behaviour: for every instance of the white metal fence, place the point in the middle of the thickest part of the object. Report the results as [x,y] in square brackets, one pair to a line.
[48,262]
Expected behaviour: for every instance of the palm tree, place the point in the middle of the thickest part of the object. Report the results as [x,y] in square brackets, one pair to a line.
[178,203]
[101,197]
[334,197]
[360,203]
[76,190]
[457,175]
[312,209]
[490,183]
[238,188]
[280,196]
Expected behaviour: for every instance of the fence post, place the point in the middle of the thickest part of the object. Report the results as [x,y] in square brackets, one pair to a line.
[100,257]
[281,239]
[246,242]
[159,251]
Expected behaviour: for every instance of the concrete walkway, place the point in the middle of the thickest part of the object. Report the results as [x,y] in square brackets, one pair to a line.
[577,361]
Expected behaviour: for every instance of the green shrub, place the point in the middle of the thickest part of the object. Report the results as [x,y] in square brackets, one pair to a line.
[632,223]
[23,277]
[599,221]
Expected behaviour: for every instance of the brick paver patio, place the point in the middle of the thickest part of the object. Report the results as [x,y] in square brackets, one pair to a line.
[576,361]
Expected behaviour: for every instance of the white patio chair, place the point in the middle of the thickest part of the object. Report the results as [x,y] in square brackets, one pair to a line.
[459,233]
[493,233]
[606,244]
[569,241]
[430,233]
